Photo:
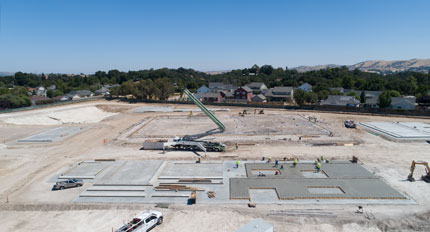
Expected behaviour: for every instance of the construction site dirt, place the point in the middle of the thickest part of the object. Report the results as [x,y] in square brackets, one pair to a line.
[120,179]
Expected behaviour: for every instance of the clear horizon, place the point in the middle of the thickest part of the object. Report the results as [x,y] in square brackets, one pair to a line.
[87,36]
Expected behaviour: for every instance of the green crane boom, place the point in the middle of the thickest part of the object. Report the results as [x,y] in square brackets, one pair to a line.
[205,110]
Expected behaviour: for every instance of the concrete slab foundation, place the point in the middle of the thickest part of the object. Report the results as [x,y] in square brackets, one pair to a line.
[135,181]
[303,181]
[52,135]
[400,131]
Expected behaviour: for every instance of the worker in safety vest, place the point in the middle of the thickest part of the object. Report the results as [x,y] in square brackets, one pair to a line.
[295,162]
[318,166]
[237,163]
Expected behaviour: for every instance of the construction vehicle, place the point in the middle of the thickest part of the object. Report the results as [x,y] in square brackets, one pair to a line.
[426,177]
[194,145]
[243,113]
[192,142]
[143,222]
[350,124]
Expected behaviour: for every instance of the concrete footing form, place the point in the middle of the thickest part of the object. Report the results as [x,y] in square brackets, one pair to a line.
[401,131]
[220,182]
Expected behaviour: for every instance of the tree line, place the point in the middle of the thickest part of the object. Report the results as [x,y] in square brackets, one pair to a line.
[158,83]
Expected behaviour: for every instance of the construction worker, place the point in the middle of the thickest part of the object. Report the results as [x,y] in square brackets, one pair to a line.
[237,163]
[295,162]
[318,167]
[269,159]
[237,146]
[276,163]
[316,162]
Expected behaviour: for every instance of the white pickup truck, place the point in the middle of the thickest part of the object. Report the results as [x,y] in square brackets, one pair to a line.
[143,222]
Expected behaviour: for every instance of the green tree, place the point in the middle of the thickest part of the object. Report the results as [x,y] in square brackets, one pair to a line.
[115,91]
[50,93]
[384,99]
[299,96]
[323,94]
[266,69]
[311,97]
[165,88]
[355,94]
[335,92]
[363,97]
[19,91]
[127,88]
[4,91]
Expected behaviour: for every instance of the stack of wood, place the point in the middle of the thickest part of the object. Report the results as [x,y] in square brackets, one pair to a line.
[173,187]
[195,180]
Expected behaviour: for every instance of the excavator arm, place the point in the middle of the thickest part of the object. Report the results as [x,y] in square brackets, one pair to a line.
[426,177]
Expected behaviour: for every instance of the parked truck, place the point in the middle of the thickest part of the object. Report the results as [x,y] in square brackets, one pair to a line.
[143,222]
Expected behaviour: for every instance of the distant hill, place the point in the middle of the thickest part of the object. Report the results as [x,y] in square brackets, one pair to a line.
[2,74]
[378,66]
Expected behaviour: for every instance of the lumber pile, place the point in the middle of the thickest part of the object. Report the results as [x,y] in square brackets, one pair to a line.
[174,187]
[194,180]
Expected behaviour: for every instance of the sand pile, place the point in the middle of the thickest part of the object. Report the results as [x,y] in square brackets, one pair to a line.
[57,116]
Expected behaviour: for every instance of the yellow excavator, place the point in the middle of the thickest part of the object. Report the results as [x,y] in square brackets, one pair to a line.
[426,177]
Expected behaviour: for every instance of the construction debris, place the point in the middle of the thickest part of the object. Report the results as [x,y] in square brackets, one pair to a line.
[211,194]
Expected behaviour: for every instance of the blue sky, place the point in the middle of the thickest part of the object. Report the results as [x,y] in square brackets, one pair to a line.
[73,36]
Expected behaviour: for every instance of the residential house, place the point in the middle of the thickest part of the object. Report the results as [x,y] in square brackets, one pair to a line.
[202,89]
[280,94]
[41,91]
[227,94]
[111,86]
[258,98]
[243,93]
[257,87]
[407,103]
[372,102]
[339,100]
[74,95]
[103,91]
[35,99]
[58,98]
[218,86]
[52,87]
[31,91]
[305,87]
[209,97]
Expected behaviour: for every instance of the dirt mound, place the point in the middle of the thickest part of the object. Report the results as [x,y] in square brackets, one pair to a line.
[114,108]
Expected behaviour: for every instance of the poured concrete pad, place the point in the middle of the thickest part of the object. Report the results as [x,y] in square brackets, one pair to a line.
[87,168]
[325,190]
[336,180]
[116,188]
[290,189]
[402,130]
[263,195]
[308,170]
[314,174]
[52,135]
[133,172]
[192,170]
[113,194]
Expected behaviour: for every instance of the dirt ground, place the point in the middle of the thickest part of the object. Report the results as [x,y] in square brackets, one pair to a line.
[27,204]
